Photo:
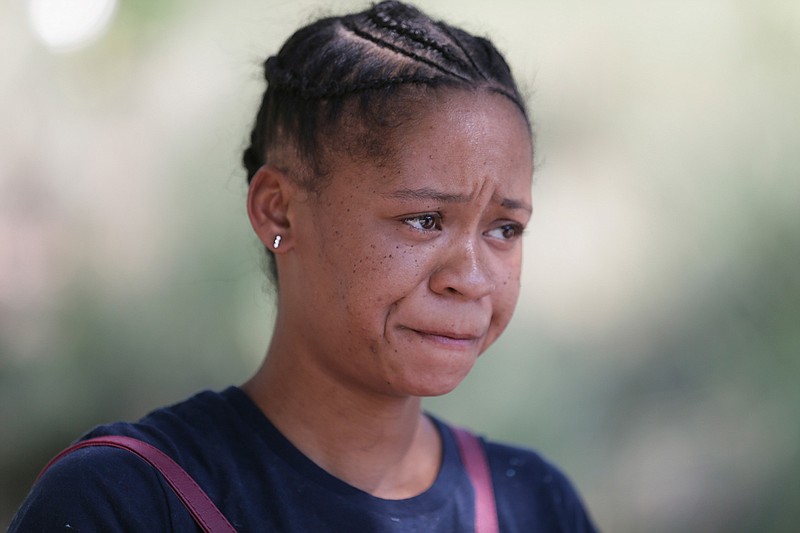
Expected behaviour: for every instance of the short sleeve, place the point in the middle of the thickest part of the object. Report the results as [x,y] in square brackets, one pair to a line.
[99,489]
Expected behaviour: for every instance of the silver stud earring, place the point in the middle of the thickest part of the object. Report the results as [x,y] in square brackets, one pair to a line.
[276,242]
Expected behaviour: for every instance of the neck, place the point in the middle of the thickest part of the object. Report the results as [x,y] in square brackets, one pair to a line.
[380,444]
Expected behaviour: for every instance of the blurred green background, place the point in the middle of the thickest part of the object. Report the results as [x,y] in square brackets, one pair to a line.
[655,352]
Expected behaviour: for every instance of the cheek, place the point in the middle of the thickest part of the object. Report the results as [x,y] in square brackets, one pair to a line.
[508,294]
[377,274]
[504,301]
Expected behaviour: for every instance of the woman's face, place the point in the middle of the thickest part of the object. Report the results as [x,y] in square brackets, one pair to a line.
[402,272]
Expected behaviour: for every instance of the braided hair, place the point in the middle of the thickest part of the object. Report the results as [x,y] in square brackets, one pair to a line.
[355,78]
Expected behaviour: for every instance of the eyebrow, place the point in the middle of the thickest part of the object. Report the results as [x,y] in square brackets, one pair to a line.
[427,193]
[510,203]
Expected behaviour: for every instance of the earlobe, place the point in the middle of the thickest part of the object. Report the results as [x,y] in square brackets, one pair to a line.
[268,204]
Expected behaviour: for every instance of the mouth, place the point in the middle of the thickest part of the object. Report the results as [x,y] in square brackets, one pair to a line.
[451,339]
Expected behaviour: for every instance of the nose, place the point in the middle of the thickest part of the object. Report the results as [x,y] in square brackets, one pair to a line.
[463,271]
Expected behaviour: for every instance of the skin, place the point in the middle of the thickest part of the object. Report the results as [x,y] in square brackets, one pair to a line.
[393,279]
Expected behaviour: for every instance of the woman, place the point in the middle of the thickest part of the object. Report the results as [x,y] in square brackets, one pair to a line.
[390,175]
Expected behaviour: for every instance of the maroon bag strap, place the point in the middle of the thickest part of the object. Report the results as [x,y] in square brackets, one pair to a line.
[210,518]
[477,465]
[205,513]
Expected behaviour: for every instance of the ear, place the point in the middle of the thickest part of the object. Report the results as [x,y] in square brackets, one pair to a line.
[268,199]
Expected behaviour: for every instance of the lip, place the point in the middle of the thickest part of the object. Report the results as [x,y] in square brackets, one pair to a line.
[445,338]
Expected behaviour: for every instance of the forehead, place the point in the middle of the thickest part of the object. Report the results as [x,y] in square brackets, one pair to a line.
[480,127]
[459,142]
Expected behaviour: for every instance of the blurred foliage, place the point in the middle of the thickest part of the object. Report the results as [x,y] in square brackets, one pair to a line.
[654,355]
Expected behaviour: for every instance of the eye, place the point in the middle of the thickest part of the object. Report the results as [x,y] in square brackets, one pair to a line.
[425,222]
[506,232]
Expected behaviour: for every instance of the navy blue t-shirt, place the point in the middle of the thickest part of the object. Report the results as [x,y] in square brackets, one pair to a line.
[261,482]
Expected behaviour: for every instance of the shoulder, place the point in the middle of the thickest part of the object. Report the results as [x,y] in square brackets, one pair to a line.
[190,432]
[92,489]
[531,490]
[109,489]
[510,462]
[202,416]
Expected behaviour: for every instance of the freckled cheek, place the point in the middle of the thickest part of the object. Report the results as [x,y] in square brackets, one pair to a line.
[505,300]
[377,274]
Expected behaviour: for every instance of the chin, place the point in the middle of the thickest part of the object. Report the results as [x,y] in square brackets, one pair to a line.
[435,381]
[432,392]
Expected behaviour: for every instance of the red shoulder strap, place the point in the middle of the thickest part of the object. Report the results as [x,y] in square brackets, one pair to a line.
[477,465]
[205,513]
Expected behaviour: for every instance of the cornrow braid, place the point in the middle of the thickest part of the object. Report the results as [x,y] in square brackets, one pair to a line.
[309,90]
[352,78]
[383,43]
[452,34]
[384,20]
